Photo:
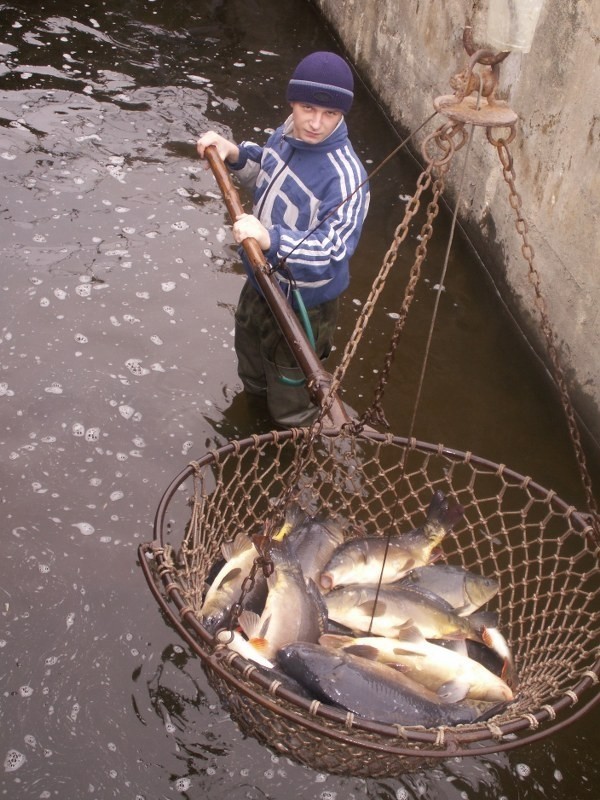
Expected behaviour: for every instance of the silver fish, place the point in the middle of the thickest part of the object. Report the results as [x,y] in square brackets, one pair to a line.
[294,609]
[387,558]
[312,539]
[465,591]
[225,589]
[453,677]
[390,610]
[367,688]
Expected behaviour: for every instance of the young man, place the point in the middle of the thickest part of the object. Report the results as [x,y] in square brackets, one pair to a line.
[307,217]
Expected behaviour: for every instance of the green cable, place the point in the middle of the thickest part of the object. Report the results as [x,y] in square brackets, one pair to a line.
[303,314]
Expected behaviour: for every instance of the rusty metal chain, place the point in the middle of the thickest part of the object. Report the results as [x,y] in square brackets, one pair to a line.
[443,138]
[438,160]
[267,567]
[527,250]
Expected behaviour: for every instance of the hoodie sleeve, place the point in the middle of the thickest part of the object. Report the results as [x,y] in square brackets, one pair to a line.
[247,166]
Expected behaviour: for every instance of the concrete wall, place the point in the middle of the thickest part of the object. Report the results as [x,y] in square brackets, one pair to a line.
[407,50]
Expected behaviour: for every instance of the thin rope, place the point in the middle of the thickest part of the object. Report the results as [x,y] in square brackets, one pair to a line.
[440,289]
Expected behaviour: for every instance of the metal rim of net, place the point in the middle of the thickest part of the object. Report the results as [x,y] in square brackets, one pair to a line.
[535,601]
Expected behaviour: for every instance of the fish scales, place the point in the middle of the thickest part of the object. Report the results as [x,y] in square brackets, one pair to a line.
[371,559]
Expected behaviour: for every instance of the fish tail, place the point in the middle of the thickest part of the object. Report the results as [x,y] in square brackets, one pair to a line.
[261,645]
[442,514]
[509,674]
[497,643]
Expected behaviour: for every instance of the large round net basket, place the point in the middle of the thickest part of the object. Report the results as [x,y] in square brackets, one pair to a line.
[541,551]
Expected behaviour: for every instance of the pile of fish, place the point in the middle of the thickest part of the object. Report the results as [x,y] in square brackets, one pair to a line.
[370,624]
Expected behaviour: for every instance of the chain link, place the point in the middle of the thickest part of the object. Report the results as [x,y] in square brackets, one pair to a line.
[527,250]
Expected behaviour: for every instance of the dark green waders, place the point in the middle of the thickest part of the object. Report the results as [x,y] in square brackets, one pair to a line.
[264,358]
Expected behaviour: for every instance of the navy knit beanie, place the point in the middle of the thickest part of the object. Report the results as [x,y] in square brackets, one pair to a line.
[322,79]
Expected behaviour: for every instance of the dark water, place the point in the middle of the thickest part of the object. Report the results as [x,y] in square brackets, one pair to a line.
[118,286]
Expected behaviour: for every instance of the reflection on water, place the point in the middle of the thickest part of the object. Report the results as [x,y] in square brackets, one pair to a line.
[118,287]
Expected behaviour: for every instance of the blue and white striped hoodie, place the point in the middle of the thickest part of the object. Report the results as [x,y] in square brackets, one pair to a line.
[296,185]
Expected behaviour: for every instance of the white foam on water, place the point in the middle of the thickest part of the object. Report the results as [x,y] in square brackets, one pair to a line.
[134,365]
[523,770]
[14,760]
[54,388]
[92,434]
[168,286]
[85,528]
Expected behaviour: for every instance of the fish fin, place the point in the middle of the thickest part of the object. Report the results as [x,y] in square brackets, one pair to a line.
[260,644]
[249,623]
[437,505]
[335,641]
[452,691]
[363,651]
[451,516]
[236,546]
[509,675]
[441,512]
[410,633]
[407,627]
[398,666]
[319,600]
[482,620]
[371,609]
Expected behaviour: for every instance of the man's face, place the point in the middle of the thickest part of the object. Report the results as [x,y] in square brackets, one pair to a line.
[313,124]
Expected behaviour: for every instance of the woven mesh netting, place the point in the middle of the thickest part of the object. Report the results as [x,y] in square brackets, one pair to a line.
[541,551]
